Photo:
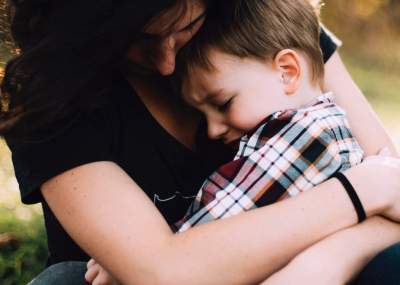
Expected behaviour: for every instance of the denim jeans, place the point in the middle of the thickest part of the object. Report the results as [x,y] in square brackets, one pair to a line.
[384,269]
[65,273]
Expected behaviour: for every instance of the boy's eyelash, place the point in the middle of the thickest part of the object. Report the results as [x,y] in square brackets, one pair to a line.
[225,105]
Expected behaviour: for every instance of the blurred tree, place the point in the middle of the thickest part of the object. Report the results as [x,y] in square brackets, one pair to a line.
[370,28]
[5,36]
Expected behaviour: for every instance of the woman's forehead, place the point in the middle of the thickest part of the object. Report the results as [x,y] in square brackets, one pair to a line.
[176,18]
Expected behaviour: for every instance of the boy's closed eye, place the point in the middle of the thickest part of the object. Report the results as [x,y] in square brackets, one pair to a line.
[224,106]
[220,100]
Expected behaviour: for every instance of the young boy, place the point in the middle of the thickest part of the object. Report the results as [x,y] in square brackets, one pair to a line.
[259,84]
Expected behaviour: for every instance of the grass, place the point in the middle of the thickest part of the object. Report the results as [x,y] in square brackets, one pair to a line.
[24,253]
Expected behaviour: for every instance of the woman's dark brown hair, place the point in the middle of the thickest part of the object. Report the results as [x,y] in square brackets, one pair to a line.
[70,50]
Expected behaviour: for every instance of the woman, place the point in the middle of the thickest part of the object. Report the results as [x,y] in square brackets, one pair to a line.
[99,149]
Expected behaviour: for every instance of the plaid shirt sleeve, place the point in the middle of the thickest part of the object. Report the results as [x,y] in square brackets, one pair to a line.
[303,153]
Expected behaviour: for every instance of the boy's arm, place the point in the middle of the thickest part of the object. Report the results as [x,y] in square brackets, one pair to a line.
[339,257]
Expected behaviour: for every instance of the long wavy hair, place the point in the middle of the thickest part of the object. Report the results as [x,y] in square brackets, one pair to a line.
[69,51]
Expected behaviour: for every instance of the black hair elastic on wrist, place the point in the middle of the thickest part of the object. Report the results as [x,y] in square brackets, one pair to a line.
[352,194]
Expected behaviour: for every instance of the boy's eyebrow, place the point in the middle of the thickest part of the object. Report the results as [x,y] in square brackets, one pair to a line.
[206,98]
[212,95]
[194,22]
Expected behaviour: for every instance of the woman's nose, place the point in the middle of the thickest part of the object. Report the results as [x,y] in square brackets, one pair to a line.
[165,62]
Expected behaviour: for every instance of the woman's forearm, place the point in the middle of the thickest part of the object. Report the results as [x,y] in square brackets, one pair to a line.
[336,259]
[360,114]
[123,230]
[279,232]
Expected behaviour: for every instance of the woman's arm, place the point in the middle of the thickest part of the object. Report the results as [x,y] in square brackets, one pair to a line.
[338,258]
[109,216]
[364,123]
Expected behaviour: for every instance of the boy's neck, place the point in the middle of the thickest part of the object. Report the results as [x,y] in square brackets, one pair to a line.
[308,92]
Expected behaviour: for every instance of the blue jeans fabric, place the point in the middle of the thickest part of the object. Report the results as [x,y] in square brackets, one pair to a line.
[65,273]
[384,269]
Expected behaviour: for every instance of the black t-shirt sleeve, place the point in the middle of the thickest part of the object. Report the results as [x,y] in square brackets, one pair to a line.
[329,43]
[87,139]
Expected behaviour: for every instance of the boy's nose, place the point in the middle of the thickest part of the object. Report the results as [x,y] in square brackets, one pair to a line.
[216,130]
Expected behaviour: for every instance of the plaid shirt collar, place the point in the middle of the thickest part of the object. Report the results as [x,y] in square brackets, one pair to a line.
[256,138]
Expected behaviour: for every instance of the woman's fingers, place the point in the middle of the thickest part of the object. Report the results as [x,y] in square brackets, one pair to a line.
[92,273]
[377,182]
[91,263]
[384,157]
[104,278]
[384,152]
[96,275]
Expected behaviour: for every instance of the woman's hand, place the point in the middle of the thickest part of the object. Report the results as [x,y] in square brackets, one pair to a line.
[97,275]
[391,184]
[378,178]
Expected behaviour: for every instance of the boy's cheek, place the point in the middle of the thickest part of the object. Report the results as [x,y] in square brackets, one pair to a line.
[244,121]
[240,124]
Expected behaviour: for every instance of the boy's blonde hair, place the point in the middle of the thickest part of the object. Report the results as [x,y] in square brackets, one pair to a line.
[257,29]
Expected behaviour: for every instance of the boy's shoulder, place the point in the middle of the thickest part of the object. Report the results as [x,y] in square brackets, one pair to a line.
[321,107]
[323,111]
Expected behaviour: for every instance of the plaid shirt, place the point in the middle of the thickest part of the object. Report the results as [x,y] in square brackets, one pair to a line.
[288,153]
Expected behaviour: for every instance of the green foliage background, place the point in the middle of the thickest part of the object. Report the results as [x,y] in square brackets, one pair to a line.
[23,258]
[371,35]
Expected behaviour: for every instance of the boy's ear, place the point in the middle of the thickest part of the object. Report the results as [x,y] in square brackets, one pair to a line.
[287,62]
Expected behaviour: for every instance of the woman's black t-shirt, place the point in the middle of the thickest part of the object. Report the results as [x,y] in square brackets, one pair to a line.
[124,132]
